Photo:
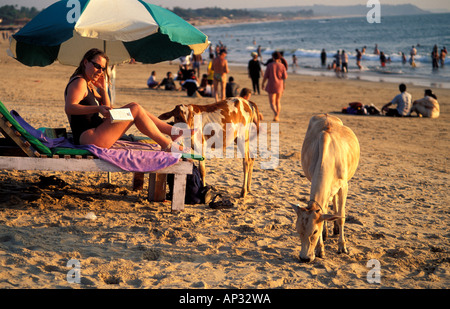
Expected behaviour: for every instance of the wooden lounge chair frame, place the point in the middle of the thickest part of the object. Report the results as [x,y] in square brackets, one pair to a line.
[16,153]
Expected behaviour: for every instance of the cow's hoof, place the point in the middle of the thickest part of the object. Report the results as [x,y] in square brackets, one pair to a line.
[342,249]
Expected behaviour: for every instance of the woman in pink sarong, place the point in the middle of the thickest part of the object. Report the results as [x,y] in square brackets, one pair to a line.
[275,76]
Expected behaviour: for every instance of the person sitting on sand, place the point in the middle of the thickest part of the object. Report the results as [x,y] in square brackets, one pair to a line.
[427,106]
[232,88]
[403,102]
[245,93]
[152,83]
[192,88]
[87,99]
[168,82]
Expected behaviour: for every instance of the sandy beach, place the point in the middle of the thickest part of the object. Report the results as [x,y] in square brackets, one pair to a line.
[397,208]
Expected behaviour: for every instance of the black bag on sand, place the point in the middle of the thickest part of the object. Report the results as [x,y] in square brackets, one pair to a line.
[196,193]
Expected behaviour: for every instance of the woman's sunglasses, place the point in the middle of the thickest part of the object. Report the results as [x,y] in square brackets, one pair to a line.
[97,66]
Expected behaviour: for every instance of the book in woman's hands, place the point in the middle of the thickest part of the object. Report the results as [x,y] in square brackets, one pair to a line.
[120,114]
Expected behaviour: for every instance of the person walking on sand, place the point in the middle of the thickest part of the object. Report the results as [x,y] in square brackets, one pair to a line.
[275,76]
[220,67]
[87,100]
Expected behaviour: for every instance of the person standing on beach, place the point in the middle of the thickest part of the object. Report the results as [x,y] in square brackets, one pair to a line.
[220,67]
[358,58]
[412,53]
[323,57]
[435,57]
[338,62]
[294,62]
[197,63]
[254,72]
[344,58]
[275,76]
[383,59]
[443,55]
[403,102]
[376,51]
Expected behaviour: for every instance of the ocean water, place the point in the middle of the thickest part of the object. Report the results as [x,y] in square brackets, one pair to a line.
[306,39]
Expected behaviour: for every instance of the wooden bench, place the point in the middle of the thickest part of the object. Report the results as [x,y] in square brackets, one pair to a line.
[17,153]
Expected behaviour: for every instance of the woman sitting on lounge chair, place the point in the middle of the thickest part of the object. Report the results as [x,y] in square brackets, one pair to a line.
[85,105]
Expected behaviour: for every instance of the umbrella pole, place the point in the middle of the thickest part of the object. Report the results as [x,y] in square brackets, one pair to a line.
[112,89]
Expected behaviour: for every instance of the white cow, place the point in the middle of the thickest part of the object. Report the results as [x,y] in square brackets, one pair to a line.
[330,156]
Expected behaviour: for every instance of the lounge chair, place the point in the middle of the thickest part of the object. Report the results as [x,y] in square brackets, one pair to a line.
[20,150]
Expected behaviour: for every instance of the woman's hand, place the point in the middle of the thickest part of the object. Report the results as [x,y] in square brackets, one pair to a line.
[104,110]
[100,83]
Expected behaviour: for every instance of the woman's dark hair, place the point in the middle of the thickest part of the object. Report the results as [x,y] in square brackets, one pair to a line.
[430,93]
[276,55]
[89,55]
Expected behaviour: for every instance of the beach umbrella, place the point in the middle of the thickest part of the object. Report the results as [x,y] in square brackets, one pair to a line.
[124,29]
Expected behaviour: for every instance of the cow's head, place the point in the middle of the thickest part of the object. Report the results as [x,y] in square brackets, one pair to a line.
[310,222]
[180,114]
[184,115]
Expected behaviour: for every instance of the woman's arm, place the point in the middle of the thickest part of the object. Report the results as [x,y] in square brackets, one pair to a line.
[76,92]
[102,91]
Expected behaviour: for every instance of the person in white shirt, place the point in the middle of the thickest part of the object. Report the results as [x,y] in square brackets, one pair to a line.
[403,102]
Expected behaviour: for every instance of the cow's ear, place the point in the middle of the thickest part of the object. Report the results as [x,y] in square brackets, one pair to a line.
[297,208]
[166,116]
[170,114]
[329,217]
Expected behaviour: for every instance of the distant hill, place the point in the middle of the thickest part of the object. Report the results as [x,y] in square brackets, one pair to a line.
[353,10]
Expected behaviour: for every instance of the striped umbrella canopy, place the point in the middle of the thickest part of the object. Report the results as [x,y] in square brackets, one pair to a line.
[124,29]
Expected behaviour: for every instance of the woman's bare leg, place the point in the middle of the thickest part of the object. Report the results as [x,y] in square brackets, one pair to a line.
[165,127]
[273,106]
[108,133]
[278,106]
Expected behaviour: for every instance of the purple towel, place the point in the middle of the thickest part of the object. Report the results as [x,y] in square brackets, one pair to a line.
[129,156]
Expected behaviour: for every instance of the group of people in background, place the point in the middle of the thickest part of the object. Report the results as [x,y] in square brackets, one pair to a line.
[216,83]
[428,106]
[340,59]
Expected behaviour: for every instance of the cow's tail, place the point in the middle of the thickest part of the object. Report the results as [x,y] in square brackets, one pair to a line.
[327,124]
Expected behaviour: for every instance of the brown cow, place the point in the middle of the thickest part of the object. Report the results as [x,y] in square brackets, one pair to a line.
[330,156]
[238,113]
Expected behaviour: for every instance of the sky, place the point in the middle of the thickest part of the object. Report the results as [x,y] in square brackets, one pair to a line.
[239,4]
